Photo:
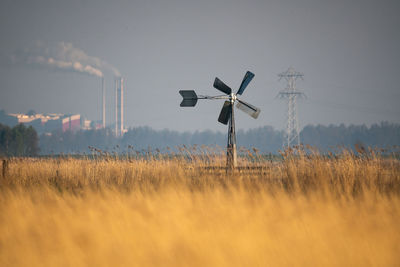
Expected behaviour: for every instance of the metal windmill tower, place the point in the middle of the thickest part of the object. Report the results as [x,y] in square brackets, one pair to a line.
[291,94]
[226,115]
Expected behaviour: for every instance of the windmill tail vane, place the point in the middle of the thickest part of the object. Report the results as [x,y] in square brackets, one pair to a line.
[226,115]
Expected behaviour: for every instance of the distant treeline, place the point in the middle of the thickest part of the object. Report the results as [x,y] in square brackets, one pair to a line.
[383,135]
[266,139]
[18,141]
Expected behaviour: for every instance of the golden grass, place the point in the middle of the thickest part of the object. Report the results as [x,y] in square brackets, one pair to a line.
[301,211]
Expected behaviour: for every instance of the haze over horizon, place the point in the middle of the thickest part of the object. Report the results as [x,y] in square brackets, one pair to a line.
[348,52]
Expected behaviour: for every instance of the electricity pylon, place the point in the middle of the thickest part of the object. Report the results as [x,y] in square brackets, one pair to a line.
[291,94]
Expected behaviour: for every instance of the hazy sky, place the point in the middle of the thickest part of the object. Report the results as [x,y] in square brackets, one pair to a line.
[348,51]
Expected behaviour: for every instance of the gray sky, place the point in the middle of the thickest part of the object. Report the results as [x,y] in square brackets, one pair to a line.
[348,51]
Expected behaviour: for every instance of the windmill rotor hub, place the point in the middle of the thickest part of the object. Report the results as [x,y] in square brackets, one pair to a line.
[232,97]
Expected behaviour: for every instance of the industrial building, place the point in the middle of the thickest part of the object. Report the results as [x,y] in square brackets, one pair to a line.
[46,123]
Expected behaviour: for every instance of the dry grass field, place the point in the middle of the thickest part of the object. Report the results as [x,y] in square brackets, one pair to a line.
[303,210]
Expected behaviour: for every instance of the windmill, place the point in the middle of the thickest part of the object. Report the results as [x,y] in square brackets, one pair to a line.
[226,115]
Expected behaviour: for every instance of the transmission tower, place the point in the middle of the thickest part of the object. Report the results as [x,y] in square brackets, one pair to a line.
[291,94]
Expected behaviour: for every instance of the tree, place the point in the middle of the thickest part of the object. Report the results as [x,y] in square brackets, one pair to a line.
[18,141]
[31,142]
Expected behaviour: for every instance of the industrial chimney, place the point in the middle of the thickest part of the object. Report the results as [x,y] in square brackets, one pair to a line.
[103,84]
[119,106]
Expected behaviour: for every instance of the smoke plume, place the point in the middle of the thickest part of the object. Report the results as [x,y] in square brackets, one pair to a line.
[63,56]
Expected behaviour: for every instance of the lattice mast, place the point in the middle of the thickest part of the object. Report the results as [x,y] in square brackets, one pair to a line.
[231,154]
[291,93]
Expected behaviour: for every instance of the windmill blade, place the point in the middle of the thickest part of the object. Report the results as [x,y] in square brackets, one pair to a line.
[246,80]
[225,113]
[218,84]
[247,108]
[189,98]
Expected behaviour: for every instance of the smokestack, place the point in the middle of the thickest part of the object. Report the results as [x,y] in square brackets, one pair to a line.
[119,106]
[103,84]
[116,106]
[122,107]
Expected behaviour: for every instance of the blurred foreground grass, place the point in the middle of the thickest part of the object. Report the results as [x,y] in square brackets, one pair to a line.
[301,211]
